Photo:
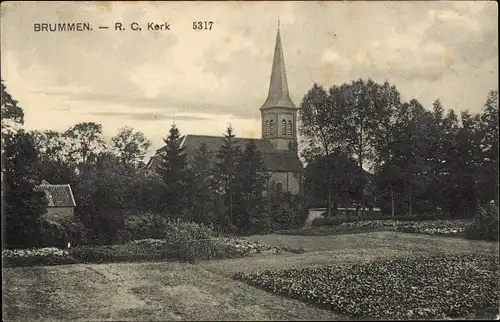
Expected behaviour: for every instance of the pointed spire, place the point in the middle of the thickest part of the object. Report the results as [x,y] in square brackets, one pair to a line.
[278,95]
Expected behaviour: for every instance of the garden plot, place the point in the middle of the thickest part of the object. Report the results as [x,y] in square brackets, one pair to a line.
[419,287]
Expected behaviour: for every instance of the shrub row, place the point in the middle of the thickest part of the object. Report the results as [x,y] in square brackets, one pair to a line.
[410,288]
[32,257]
[431,227]
[485,224]
[186,242]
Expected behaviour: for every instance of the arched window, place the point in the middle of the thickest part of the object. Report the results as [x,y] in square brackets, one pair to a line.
[267,128]
[271,125]
[279,188]
[290,133]
[283,127]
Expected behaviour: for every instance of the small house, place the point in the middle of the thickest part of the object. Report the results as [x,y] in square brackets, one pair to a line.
[61,202]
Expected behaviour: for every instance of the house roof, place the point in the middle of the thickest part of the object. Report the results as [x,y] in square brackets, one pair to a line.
[274,160]
[58,195]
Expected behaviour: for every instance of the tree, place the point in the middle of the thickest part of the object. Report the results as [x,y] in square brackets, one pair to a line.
[12,115]
[361,100]
[130,146]
[344,120]
[86,142]
[446,186]
[388,100]
[104,197]
[201,189]
[23,205]
[321,120]
[226,171]
[250,185]
[322,125]
[173,171]
[488,131]
[53,151]
[337,173]
[411,141]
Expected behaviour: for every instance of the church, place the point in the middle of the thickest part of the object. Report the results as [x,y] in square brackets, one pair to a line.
[278,142]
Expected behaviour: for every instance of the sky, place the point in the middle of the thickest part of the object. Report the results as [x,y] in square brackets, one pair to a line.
[208,79]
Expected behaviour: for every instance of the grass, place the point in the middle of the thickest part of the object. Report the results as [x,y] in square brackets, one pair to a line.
[347,249]
[142,291]
[204,291]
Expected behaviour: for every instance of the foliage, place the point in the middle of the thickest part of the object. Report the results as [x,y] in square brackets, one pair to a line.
[430,227]
[408,288]
[130,146]
[335,177]
[86,142]
[61,232]
[202,190]
[239,247]
[23,205]
[12,115]
[226,177]
[144,226]
[145,193]
[485,223]
[174,173]
[10,109]
[121,253]
[251,178]
[102,199]
[36,257]
[180,235]
[423,160]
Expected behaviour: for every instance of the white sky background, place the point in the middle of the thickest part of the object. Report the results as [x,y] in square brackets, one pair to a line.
[208,79]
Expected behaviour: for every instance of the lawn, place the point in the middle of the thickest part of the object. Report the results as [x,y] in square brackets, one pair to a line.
[205,290]
[142,291]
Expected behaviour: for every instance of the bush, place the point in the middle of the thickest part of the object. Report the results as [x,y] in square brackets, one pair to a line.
[180,237]
[143,226]
[154,238]
[280,212]
[61,232]
[131,252]
[485,224]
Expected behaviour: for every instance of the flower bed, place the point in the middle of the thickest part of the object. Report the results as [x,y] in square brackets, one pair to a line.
[143,250]
[243,247]
[220,248]
[411,288]
[429,227]
[34,257]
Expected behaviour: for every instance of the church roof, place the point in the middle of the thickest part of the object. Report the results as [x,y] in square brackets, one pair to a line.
[274,160]
[278,95]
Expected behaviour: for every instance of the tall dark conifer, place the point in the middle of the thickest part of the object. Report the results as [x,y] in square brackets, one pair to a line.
[226,171]
[174,173]
[251,183]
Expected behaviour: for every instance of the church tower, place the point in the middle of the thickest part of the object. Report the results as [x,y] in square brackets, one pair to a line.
[279,113]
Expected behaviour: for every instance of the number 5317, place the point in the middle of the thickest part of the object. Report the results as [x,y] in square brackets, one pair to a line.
[203,25]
